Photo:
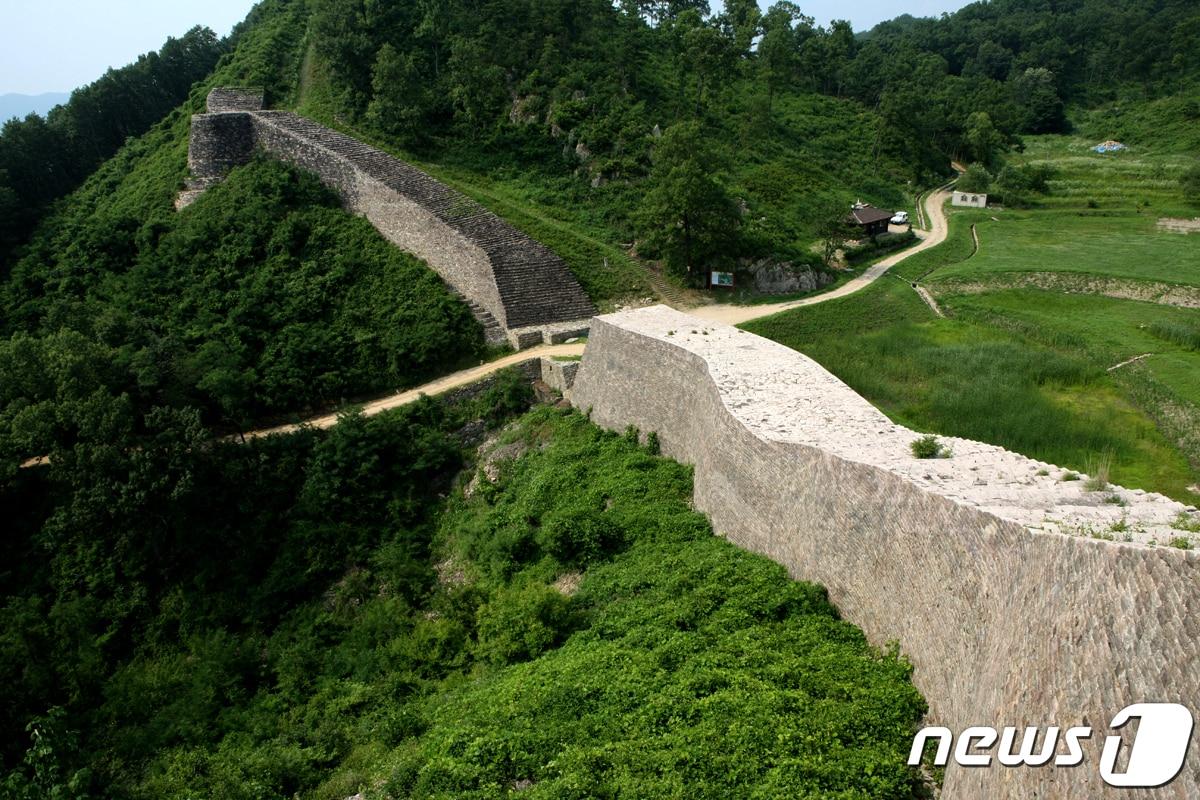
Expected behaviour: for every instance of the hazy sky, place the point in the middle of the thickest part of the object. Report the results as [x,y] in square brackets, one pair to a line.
[59,45]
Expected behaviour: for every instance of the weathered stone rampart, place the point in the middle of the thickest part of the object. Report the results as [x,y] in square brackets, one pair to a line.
[224,99]
[519,289]
[1004,625]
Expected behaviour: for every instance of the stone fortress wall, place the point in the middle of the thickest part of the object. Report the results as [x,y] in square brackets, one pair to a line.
[518,289]
[984,566]
[1005,622]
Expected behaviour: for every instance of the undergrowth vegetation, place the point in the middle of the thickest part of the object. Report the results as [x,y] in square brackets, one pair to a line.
[568,629]
[264,297]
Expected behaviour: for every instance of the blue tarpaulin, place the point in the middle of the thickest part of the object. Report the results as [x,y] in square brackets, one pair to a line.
[1109,147]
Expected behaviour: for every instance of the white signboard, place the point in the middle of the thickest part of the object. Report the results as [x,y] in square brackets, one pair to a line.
[722,279]
[969,199]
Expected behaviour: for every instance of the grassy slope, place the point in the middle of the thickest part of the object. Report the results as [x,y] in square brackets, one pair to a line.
[1115,238]
[986,376]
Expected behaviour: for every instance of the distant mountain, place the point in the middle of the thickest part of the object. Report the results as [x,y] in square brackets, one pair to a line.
[21,105]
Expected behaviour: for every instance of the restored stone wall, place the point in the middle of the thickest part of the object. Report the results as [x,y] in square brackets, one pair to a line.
[1004,626]
[520,290]
[225,99]
[405,223]
[218,143]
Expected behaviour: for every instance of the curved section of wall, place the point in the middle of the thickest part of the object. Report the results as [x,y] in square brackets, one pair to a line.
[1004,625]
[520,290]
[405,223]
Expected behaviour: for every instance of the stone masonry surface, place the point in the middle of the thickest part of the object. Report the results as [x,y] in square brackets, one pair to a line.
[229,98]
[518,288]
[1006,622]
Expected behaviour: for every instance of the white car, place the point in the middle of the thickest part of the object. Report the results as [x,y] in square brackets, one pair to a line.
[900,218]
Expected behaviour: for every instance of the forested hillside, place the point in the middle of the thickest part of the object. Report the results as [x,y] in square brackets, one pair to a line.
[42,159]
[326,613]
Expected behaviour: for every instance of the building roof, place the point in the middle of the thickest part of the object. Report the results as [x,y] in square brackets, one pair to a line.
[868,215]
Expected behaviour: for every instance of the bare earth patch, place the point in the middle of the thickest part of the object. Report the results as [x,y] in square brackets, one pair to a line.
[1175,225]
[1166,294]
[568,583]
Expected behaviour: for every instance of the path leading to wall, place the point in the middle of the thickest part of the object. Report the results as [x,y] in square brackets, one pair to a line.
[443,384]
[736,315]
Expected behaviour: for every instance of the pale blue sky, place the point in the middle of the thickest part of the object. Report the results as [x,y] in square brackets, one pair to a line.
[59,45]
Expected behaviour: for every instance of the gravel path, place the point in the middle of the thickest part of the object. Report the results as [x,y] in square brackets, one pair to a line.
[443,384]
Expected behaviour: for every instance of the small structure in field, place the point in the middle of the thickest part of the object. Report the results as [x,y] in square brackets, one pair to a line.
[1109,147]
[871,220]
[969,199]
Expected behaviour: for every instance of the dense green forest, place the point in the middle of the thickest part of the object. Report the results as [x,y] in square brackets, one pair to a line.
[721,116]
[43,159]
[331,612]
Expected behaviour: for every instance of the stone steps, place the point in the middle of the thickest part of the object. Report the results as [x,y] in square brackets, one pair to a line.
[493,332]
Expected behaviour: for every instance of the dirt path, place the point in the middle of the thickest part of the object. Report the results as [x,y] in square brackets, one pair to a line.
[736,315]
[443,384]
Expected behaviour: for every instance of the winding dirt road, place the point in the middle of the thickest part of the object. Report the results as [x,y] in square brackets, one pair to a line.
[736,315]
[727,314]
[439,386]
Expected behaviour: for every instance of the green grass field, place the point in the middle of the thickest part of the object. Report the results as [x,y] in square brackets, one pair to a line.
[1112,244]
[1099,218]
[984,381]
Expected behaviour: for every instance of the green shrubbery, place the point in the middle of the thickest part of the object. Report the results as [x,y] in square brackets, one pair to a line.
[302,642]
[263,297]
[520,623]
[1189,182]
[976,179]
[929,447]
